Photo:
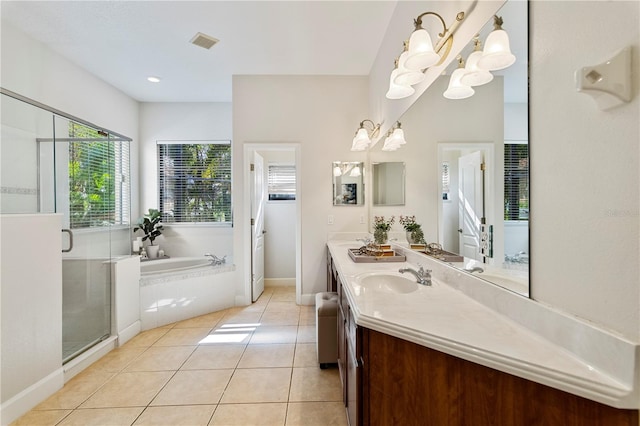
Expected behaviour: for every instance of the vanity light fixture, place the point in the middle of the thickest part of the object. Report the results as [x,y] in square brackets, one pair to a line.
[363,136]
[422,54]
[497,53]
[355,172]
[418,55]
[337,171]
[395,138]
[474,75]
[456,89]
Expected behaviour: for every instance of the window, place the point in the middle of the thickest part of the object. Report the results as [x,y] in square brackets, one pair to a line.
[99,188]
[195,181]
[516,181]
[282,182]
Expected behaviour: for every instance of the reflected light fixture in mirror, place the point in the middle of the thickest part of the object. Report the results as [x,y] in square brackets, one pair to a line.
[398,91]
[497,52]
[474,75]
[406,76]
[362,139]
[395,138]
[456,89]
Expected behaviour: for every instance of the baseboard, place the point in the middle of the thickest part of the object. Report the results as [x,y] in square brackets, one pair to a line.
[82,361]
[279,282]
[129,333]
[20,404]
[308,299]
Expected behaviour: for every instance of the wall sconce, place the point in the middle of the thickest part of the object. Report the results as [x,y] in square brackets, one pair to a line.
[363,136]
[474,75]
[419,54]
[456,89]
[395,138]
[497,53]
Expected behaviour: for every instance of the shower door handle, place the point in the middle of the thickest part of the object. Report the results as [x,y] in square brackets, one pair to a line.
[68,231]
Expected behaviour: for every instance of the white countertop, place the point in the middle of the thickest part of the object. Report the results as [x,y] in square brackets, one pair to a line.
[444,318]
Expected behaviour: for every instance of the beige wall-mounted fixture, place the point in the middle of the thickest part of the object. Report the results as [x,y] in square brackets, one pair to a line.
[367,130]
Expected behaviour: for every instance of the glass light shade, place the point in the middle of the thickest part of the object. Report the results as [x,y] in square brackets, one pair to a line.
[336,171]
[497,53]
[421,54]
[398,137]
[397,91]
[355,172]
[405,76]
[456,89]
[475,76]
[361,141]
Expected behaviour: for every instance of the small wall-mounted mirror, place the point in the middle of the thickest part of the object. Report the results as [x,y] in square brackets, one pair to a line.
[348,183]
[388,184]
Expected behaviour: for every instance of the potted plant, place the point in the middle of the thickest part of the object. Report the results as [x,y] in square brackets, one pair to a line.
[151,225]
[381,229]
[413,229]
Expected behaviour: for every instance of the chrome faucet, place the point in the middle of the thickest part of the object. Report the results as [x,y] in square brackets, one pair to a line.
[474,269]
[422,276]
[215,260]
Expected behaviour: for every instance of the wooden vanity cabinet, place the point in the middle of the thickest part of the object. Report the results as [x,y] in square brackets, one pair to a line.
[390,381]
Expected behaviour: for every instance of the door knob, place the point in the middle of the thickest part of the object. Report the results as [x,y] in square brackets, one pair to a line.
[460,230]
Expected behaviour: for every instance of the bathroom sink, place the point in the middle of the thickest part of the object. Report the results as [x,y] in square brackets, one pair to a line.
[388,282]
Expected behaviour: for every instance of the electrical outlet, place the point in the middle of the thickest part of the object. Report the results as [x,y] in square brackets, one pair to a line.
[330,220]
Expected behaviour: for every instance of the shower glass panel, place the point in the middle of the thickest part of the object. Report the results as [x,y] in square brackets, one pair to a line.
[53,162]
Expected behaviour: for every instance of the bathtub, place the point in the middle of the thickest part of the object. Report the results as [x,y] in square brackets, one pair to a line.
[180,288]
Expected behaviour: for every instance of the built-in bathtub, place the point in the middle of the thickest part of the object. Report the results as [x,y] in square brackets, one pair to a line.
[179,288]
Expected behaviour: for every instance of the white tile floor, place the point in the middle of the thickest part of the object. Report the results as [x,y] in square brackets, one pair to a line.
[254,365]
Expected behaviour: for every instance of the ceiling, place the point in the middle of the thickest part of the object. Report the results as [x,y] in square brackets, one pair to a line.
[124,42]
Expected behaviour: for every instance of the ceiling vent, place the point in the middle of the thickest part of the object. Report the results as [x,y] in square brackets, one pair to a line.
[204,40]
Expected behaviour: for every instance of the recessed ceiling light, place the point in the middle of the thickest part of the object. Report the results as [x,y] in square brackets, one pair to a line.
[154,79]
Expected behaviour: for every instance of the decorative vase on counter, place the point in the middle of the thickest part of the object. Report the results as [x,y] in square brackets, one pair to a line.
[416,236]
[152,252]
[380,236]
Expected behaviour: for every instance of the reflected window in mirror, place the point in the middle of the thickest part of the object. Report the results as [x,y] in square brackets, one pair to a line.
[388,184]
[348,183]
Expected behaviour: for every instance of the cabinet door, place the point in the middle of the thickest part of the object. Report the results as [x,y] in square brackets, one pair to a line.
[342,352]
[354,373]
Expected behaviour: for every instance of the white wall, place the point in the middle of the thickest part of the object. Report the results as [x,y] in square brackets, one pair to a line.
[584,167]
[188,122]
[321,113]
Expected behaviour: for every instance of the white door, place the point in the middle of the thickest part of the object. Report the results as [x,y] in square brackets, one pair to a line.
[258,199]
[471,203]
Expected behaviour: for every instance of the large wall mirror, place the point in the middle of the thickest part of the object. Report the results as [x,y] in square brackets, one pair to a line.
[348,183]
[467,165]
[388,183]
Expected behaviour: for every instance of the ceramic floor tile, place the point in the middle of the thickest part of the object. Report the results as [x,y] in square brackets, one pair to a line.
[38,418]
[230,334]
[161,358]
[316,413]
[76,390]
[146,338]
[214,357]
[183,337]
[282,307]
[267,356]
[203,321]
[192,387]
[280,318]
[307,316]
[314,384]
[306,355]
[116,360]
[274,334]
[267,414]
[258,385]
[306,334]
[102,416]
[240,318]
[185,415]
[129,390]
[283,296]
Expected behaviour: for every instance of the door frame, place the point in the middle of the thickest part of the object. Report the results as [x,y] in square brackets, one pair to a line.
[249,149]
[488,152]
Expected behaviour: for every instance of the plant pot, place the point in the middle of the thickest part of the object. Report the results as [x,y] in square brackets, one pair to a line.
[152,252]
[380,236]
[415,237]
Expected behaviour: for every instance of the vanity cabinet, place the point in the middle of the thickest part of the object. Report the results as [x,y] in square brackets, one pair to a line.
[391,381]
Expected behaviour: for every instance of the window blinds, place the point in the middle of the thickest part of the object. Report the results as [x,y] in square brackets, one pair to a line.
[282,182]
[516,181]
[195,181]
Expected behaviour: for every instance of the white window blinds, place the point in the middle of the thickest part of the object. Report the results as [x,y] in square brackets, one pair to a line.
[195,181]
[282,182]
[99,186]
[516,181]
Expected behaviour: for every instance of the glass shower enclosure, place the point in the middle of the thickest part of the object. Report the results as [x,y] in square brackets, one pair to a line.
[56,163]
